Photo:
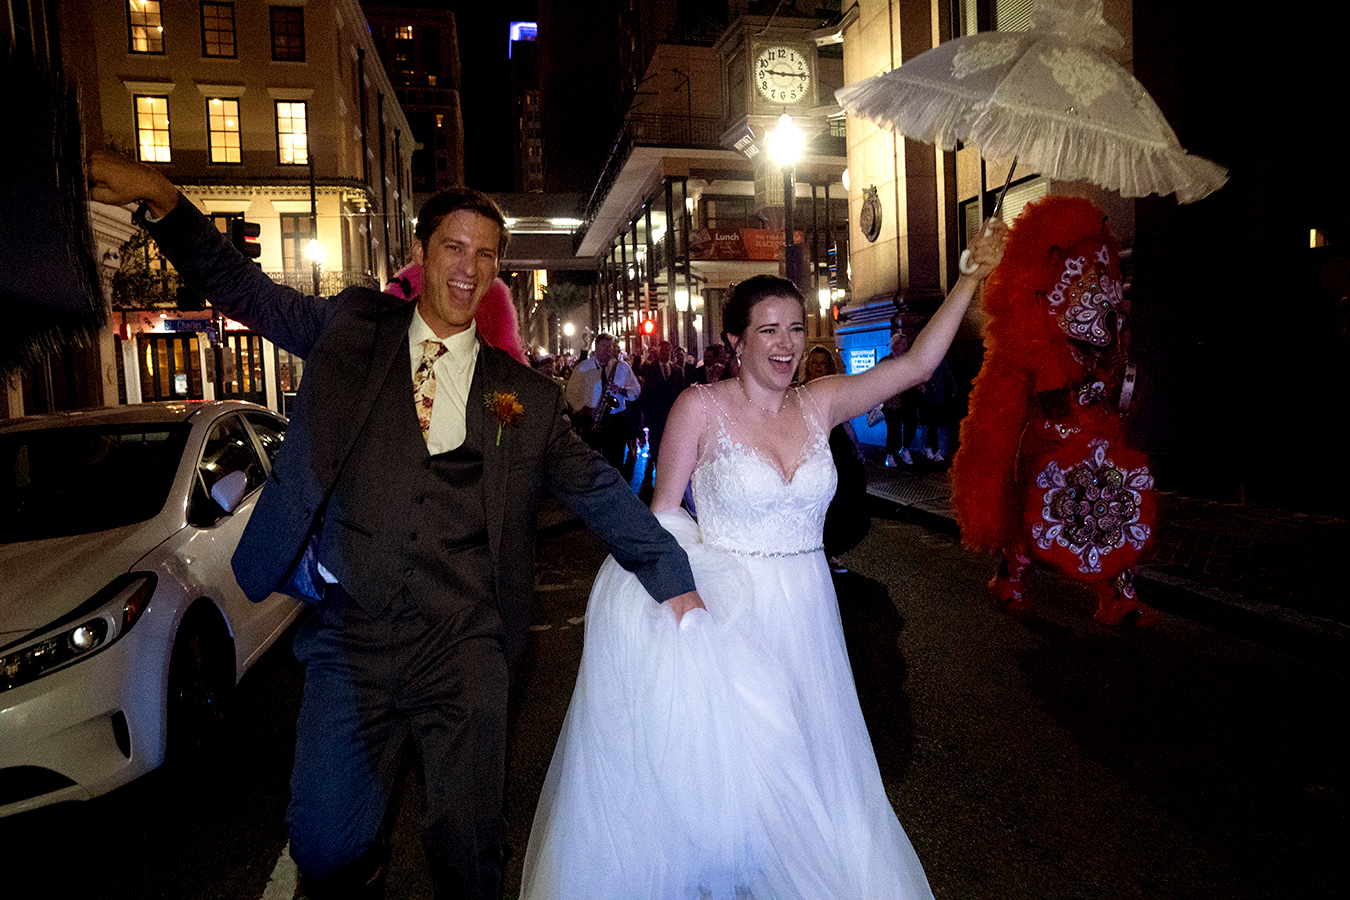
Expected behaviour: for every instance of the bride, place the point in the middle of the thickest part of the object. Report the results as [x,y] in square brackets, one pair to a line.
[719,753]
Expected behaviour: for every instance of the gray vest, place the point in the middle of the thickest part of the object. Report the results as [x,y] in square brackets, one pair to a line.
[400,518]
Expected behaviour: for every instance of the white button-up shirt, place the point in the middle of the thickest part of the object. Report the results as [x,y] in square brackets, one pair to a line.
[454,376]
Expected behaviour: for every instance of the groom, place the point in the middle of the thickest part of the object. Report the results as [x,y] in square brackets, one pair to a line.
[403,502]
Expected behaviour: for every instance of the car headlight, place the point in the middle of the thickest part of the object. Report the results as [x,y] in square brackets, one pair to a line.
[94,625]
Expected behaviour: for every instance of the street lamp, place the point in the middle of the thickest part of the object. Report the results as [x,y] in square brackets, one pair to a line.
[785,146]
[314,253]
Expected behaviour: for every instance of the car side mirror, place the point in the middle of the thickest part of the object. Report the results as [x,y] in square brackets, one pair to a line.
[229,490]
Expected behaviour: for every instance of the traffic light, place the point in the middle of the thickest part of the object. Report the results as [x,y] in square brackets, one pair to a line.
[648,327]
[244,236]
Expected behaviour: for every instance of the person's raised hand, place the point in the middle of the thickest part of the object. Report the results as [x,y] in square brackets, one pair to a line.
[116,180]
[986,250]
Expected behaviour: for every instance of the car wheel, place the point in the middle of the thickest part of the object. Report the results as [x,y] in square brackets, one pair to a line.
[201,684]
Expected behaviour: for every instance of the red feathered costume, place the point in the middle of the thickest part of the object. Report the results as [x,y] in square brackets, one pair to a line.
[1043,473]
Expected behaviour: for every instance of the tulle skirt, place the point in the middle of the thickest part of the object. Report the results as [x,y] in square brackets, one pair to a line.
[725,758]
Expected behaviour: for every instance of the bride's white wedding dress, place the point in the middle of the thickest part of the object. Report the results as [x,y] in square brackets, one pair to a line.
[725,758]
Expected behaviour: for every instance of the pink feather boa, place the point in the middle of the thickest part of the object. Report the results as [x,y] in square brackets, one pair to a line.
[496,315]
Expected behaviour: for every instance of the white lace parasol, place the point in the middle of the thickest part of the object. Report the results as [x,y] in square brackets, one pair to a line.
[1048,96]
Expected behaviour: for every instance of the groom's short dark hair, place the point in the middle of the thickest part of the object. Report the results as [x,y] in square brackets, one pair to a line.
[443,203]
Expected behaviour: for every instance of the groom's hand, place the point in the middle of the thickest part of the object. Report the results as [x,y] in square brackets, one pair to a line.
[683,603]
[116,180]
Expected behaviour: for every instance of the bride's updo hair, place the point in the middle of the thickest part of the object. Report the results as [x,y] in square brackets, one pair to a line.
[746,294]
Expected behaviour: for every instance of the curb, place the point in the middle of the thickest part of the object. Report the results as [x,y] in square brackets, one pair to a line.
[1322,639]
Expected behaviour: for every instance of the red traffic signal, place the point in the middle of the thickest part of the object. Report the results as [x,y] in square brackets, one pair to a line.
[244,236]
[648,327]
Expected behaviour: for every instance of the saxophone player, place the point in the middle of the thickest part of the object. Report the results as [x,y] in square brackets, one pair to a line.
[600,388]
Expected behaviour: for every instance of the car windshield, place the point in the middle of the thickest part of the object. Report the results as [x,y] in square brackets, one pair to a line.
[77,480]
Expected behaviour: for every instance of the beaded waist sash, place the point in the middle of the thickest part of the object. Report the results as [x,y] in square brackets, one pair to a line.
[763,553]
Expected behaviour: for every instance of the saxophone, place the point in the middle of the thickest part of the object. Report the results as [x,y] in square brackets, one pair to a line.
[608,401]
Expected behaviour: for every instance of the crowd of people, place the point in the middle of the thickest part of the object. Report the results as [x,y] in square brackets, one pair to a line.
[619,401]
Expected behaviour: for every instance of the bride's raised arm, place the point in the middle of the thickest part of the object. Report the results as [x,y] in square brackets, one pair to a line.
[845,396]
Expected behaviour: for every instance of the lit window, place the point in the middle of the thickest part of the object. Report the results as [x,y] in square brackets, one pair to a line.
[403,65]
[145,26]
[431,81]
[403,32]
[222,116]
[152,129]
[292,133]
[218,29]
[440,120]
[288,33]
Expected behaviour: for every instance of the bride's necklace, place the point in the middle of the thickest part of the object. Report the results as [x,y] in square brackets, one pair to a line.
[773,412]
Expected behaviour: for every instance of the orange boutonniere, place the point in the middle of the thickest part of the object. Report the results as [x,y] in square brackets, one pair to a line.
[506,408]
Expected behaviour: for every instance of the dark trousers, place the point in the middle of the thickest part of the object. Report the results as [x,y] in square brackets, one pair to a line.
[371,683]
[900,426]
[611,438]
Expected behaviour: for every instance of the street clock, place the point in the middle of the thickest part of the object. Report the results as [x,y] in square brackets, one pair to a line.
[782,74]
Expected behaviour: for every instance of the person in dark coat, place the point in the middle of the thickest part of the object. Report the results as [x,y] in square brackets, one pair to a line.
[662,381]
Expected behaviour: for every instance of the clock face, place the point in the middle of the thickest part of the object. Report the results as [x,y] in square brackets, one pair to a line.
[782,75]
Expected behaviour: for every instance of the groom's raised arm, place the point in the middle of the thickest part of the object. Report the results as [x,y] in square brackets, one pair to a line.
[205,259]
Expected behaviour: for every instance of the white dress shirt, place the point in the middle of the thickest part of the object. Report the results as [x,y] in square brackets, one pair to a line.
[454,377]
[583,388]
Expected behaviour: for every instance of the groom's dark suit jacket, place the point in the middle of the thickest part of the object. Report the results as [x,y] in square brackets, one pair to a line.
[353,345]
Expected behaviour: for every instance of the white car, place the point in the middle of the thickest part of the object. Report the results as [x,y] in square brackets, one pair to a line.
[122,629]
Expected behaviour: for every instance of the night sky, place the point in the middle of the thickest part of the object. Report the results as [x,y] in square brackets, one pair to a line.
[582,106]
[486,95]
[484,88]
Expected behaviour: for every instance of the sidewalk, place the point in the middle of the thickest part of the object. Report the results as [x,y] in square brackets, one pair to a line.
[1258,572]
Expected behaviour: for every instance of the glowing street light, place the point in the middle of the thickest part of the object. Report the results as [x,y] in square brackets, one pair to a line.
[314,253]
[786,142]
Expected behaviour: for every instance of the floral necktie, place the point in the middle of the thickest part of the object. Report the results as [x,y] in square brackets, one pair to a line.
[424,383]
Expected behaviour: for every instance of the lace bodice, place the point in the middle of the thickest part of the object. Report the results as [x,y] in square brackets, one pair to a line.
[745,504]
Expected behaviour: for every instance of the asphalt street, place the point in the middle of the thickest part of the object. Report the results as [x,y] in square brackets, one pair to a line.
[1045,757]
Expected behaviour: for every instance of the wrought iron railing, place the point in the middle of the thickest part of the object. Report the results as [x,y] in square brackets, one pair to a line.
[331,281]
[699,132]
[676,131]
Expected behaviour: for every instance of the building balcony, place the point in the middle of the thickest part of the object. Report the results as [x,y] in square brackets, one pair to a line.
[696,132]
[164,290]
[331,281]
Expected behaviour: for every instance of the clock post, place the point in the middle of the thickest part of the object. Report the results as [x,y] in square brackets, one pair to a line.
[785,146]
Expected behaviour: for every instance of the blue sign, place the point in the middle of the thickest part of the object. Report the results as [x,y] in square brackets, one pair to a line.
[860,360]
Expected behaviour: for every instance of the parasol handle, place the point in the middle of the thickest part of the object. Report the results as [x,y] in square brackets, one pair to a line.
[964,264]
